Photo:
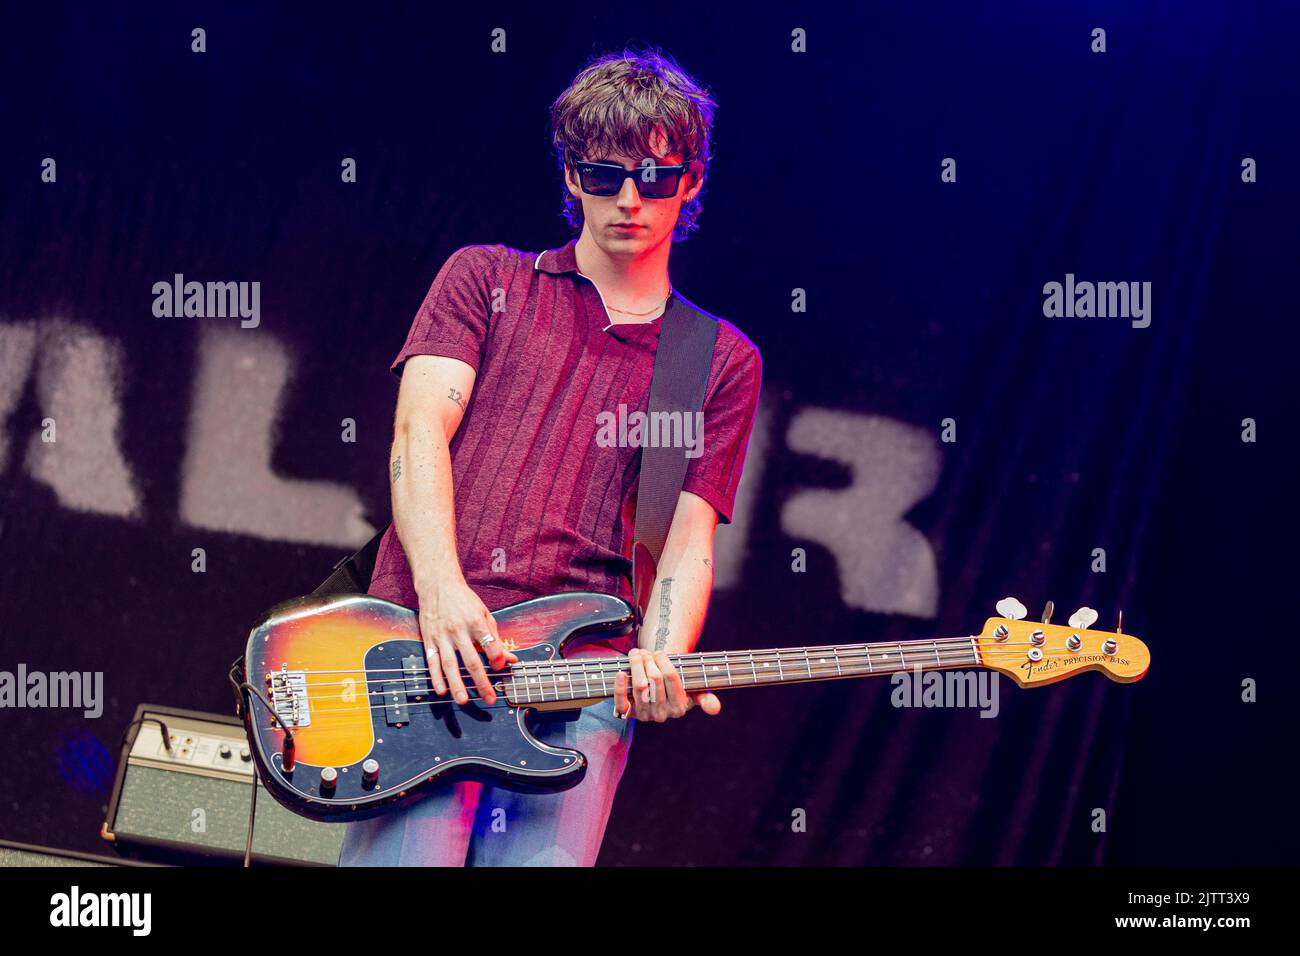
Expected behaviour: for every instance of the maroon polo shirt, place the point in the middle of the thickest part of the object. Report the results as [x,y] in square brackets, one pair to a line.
[541,506]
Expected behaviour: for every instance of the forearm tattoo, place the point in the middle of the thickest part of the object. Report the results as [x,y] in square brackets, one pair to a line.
[665,607]
[397,467]
[456,397]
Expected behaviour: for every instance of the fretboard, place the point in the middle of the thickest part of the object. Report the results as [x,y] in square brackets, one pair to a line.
[586,678]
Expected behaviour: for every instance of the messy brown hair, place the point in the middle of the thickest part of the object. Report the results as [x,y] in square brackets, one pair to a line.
[616,104]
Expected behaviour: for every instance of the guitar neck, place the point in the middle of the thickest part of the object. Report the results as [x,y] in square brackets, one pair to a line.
[593,678]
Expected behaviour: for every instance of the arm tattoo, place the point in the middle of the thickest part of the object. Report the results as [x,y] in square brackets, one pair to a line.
[665,606]
[397,467]
[456,397]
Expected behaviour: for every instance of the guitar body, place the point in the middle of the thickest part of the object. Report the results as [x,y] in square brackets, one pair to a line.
[347,674]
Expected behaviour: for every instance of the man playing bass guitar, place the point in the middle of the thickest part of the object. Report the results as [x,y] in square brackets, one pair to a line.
[506,484]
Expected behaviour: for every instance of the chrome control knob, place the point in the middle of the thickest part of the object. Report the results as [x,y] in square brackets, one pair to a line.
[370,771]
[329,778]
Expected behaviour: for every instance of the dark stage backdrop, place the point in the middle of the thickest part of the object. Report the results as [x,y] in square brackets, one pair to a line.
[924,306]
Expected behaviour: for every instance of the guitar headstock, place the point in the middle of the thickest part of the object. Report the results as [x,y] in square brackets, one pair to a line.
[1033,653]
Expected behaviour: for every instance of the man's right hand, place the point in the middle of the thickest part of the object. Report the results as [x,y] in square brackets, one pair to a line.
[452,622]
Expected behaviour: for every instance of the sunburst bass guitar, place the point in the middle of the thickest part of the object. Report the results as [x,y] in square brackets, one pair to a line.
[343,723]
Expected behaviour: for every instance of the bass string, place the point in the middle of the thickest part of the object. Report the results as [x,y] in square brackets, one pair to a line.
[842,649]
[597,669]
[605,670]
[437,700]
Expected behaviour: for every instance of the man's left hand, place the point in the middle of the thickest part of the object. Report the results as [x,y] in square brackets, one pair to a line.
[657,691]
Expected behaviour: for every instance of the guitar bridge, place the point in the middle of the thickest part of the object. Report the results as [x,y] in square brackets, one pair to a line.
[287,694]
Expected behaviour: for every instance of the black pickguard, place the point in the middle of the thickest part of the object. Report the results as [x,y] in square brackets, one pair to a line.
[421,737]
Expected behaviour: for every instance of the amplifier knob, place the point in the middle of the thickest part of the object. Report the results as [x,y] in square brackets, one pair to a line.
[245,755]
[225,751]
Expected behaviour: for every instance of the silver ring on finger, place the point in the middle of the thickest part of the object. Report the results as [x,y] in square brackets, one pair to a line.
[485,640]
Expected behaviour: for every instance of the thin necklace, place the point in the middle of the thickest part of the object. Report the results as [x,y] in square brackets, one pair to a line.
[647,311]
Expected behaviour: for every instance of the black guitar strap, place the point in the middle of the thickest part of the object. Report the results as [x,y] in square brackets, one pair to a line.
[683,358]
[682,362]
[352,574]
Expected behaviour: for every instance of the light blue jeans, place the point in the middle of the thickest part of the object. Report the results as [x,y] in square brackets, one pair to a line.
[470,823]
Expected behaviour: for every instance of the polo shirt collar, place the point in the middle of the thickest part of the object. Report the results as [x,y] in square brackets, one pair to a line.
[558,261]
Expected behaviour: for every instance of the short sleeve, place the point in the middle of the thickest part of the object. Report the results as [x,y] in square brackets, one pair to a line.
[729,412]
[453,319]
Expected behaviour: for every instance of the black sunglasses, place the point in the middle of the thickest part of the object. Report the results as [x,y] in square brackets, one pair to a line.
[652,182]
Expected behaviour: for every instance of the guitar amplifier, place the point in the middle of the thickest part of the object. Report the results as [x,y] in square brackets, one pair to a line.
[14,854]
[195,800]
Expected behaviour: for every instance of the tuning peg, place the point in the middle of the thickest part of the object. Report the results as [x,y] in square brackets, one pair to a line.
[1010,608]
[1083,618]
[1048,608]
